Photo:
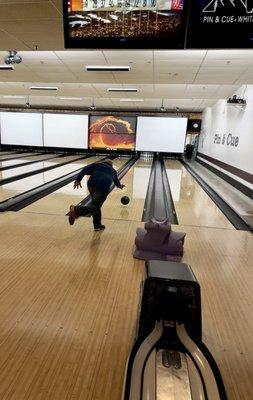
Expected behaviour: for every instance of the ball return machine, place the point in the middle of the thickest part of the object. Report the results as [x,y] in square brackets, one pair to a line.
[169,361]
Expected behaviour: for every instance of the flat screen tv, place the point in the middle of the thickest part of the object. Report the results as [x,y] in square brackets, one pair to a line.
[125,24]
[112,132]
[215,24]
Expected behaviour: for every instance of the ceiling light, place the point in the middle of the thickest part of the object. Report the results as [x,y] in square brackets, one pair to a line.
[71,98]
[107,68]
[132,100]
[13,97]
[133,90]
[163,109]
[13,58]
[93,106]
[43,88]
[6,67]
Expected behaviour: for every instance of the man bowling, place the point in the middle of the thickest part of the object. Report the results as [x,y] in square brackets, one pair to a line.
[102,175]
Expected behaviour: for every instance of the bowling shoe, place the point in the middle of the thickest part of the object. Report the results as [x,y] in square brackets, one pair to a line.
[100,228]
[72,214]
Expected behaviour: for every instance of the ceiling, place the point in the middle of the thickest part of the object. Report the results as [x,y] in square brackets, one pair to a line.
[190,80]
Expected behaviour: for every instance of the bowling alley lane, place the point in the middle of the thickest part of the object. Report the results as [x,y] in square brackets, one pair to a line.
[136,181]
[17,187]
[33,167]
[26,160]
[7,152]
[193,206]
[14,156]
[59,201]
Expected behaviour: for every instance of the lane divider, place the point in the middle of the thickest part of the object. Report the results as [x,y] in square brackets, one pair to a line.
[37,171]
[235,219]
[22,200]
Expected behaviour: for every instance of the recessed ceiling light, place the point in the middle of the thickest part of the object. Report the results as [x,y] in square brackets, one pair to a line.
[13,97]
[132,90]
[132,100]
[43,88]
[107,68]
[71,98]
[6,67]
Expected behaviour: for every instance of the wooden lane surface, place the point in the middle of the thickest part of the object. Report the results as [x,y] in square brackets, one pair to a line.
[14,188]
[69,299]
[7,152]
[222,261]
[59,201]
[194,206]
[33,167]
[14,156]
[26,160]
[59,292]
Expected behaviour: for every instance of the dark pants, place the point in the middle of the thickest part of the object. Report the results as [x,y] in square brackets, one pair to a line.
[94,207]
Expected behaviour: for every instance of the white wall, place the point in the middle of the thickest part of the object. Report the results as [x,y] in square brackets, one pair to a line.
[21,128]
[222,122]
[66,130]
[161,134]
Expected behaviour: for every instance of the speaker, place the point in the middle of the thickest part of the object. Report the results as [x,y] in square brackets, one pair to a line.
[194,125]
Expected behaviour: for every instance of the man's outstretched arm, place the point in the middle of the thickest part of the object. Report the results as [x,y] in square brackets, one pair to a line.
[85,171]
[116,181]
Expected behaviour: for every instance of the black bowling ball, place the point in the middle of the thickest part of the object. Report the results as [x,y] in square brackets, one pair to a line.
[125,200]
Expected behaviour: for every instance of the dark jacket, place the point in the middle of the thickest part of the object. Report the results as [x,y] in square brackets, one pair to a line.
[102,175]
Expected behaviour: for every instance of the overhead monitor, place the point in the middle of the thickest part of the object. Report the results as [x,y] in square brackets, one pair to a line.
[220,24]
[125,23]
[161,134]
[112,132]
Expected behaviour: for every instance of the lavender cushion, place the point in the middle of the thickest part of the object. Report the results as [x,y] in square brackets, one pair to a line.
[158,242]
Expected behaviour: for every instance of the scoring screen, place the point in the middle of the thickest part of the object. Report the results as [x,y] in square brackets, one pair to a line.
[128,23]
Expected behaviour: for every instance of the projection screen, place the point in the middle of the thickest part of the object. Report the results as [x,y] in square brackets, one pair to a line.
[66,130]
[21,128]
[161,134]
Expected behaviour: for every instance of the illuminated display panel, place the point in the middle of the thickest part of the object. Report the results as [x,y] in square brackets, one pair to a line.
[217,24]
[112,132]
[125,23]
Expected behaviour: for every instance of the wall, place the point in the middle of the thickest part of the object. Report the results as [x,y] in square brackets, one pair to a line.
[226,138]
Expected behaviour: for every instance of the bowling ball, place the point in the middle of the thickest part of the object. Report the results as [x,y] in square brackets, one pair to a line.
[124,200]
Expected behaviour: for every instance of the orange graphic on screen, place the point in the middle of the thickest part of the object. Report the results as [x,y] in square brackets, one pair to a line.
[76,5]
[112,132]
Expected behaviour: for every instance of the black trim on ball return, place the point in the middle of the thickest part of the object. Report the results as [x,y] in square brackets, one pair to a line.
[159,202]
[170,321]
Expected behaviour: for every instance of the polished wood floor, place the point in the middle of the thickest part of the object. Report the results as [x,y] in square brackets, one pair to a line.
[69,299]
[194,206]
